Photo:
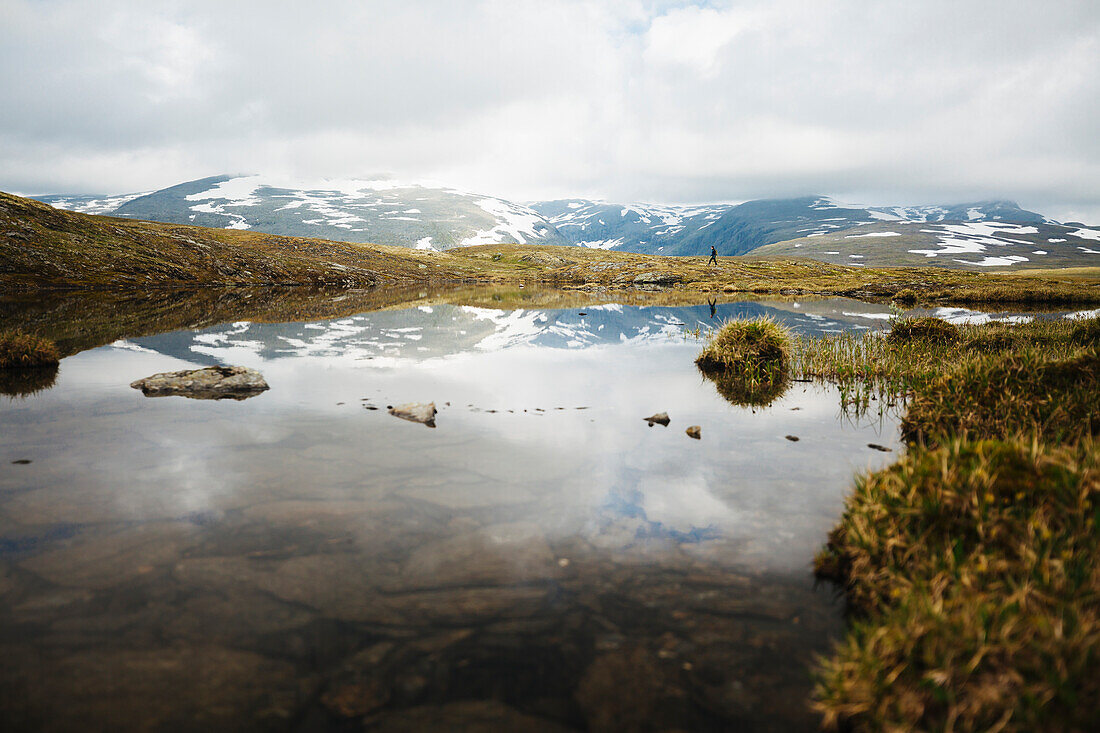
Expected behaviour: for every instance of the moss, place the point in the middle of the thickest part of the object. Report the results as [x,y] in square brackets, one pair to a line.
[928,330]
[22,350]
[1086,332]
[974,566]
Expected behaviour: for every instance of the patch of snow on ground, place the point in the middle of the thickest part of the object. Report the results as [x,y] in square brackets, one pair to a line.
[1086,250]
[874,234]
[996,261]
[425,243]
[1039,252]
[1086,234]
[1055,241]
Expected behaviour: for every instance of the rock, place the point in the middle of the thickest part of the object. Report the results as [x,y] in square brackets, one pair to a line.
[211,383]
[694,432]
[792,438]
[656,278]
[878,447]
[103,561]
[416,412]
[661,418]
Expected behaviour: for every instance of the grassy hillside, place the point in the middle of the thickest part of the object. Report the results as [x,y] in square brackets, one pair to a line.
[976,246]
[42,248]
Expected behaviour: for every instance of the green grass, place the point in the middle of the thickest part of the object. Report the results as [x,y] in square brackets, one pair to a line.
[971,565]
[22,350]
[748,361]
[975,569]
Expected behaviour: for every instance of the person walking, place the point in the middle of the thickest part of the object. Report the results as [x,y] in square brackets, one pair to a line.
[713,256]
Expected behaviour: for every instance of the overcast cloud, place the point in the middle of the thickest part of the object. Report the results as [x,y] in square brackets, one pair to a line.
[879,102]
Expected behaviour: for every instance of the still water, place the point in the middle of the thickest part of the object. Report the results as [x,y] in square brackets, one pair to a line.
[543,559]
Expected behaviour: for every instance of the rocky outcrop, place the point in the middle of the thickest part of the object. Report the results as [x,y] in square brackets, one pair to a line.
[211,383]
[657,278]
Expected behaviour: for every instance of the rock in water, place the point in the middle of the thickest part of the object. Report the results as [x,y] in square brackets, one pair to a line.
[661,418]
[792,438]
[416,412]
[694,432]
[211,383]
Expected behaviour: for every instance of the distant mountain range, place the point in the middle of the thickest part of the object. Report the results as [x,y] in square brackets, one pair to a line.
[983,234]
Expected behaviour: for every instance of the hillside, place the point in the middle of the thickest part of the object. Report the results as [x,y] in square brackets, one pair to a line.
[439,218]
[43,248]
[960,245]
[379,211]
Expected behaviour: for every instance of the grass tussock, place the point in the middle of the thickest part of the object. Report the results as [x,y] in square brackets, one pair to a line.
[748,361]
[22,351]
[984,398]
[975,566]
[972,563]
[911,358]
[926,330]
[746,344]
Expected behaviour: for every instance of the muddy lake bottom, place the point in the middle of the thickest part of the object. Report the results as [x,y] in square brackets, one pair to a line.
[542,559]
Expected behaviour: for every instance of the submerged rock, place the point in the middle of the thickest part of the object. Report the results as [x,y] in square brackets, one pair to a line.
[416,412]
[792,438]
[211,383]
[661,418]
[694,432]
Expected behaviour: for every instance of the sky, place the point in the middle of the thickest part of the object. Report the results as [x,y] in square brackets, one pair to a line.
[876,102]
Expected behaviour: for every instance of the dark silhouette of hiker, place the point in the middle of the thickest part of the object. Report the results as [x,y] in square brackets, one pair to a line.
[713,256]
[713,305]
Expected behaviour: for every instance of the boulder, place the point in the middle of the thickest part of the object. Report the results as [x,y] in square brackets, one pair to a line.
[656,278]
[416,412]
[661,418]
[694,432]
[211,383]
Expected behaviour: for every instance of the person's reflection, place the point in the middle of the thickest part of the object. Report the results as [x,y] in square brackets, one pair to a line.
[713,306]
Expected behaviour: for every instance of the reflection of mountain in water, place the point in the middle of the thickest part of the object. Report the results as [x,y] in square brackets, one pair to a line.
[435,331]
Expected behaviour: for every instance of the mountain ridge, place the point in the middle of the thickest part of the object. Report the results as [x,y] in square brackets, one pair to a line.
[439,218]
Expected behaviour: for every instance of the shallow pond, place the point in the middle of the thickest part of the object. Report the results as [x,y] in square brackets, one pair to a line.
[541,559]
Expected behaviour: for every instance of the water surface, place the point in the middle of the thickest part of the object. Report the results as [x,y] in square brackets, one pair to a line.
[542,558]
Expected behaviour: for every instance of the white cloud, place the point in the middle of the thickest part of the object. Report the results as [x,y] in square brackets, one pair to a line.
[893,101]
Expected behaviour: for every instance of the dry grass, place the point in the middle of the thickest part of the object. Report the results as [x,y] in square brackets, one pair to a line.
[748,361]
[972,563]
[22,350]
[976,568]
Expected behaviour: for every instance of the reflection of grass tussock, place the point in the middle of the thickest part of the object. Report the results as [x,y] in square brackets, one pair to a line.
[758,388]
[976,565]
[748,361]
[21,350]
[27,381]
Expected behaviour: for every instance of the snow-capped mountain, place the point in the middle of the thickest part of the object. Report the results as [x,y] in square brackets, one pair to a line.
[740,228]
[972,235]
[379,211]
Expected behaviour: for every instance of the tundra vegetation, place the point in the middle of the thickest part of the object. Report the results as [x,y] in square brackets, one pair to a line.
[972,565]
[748,361]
